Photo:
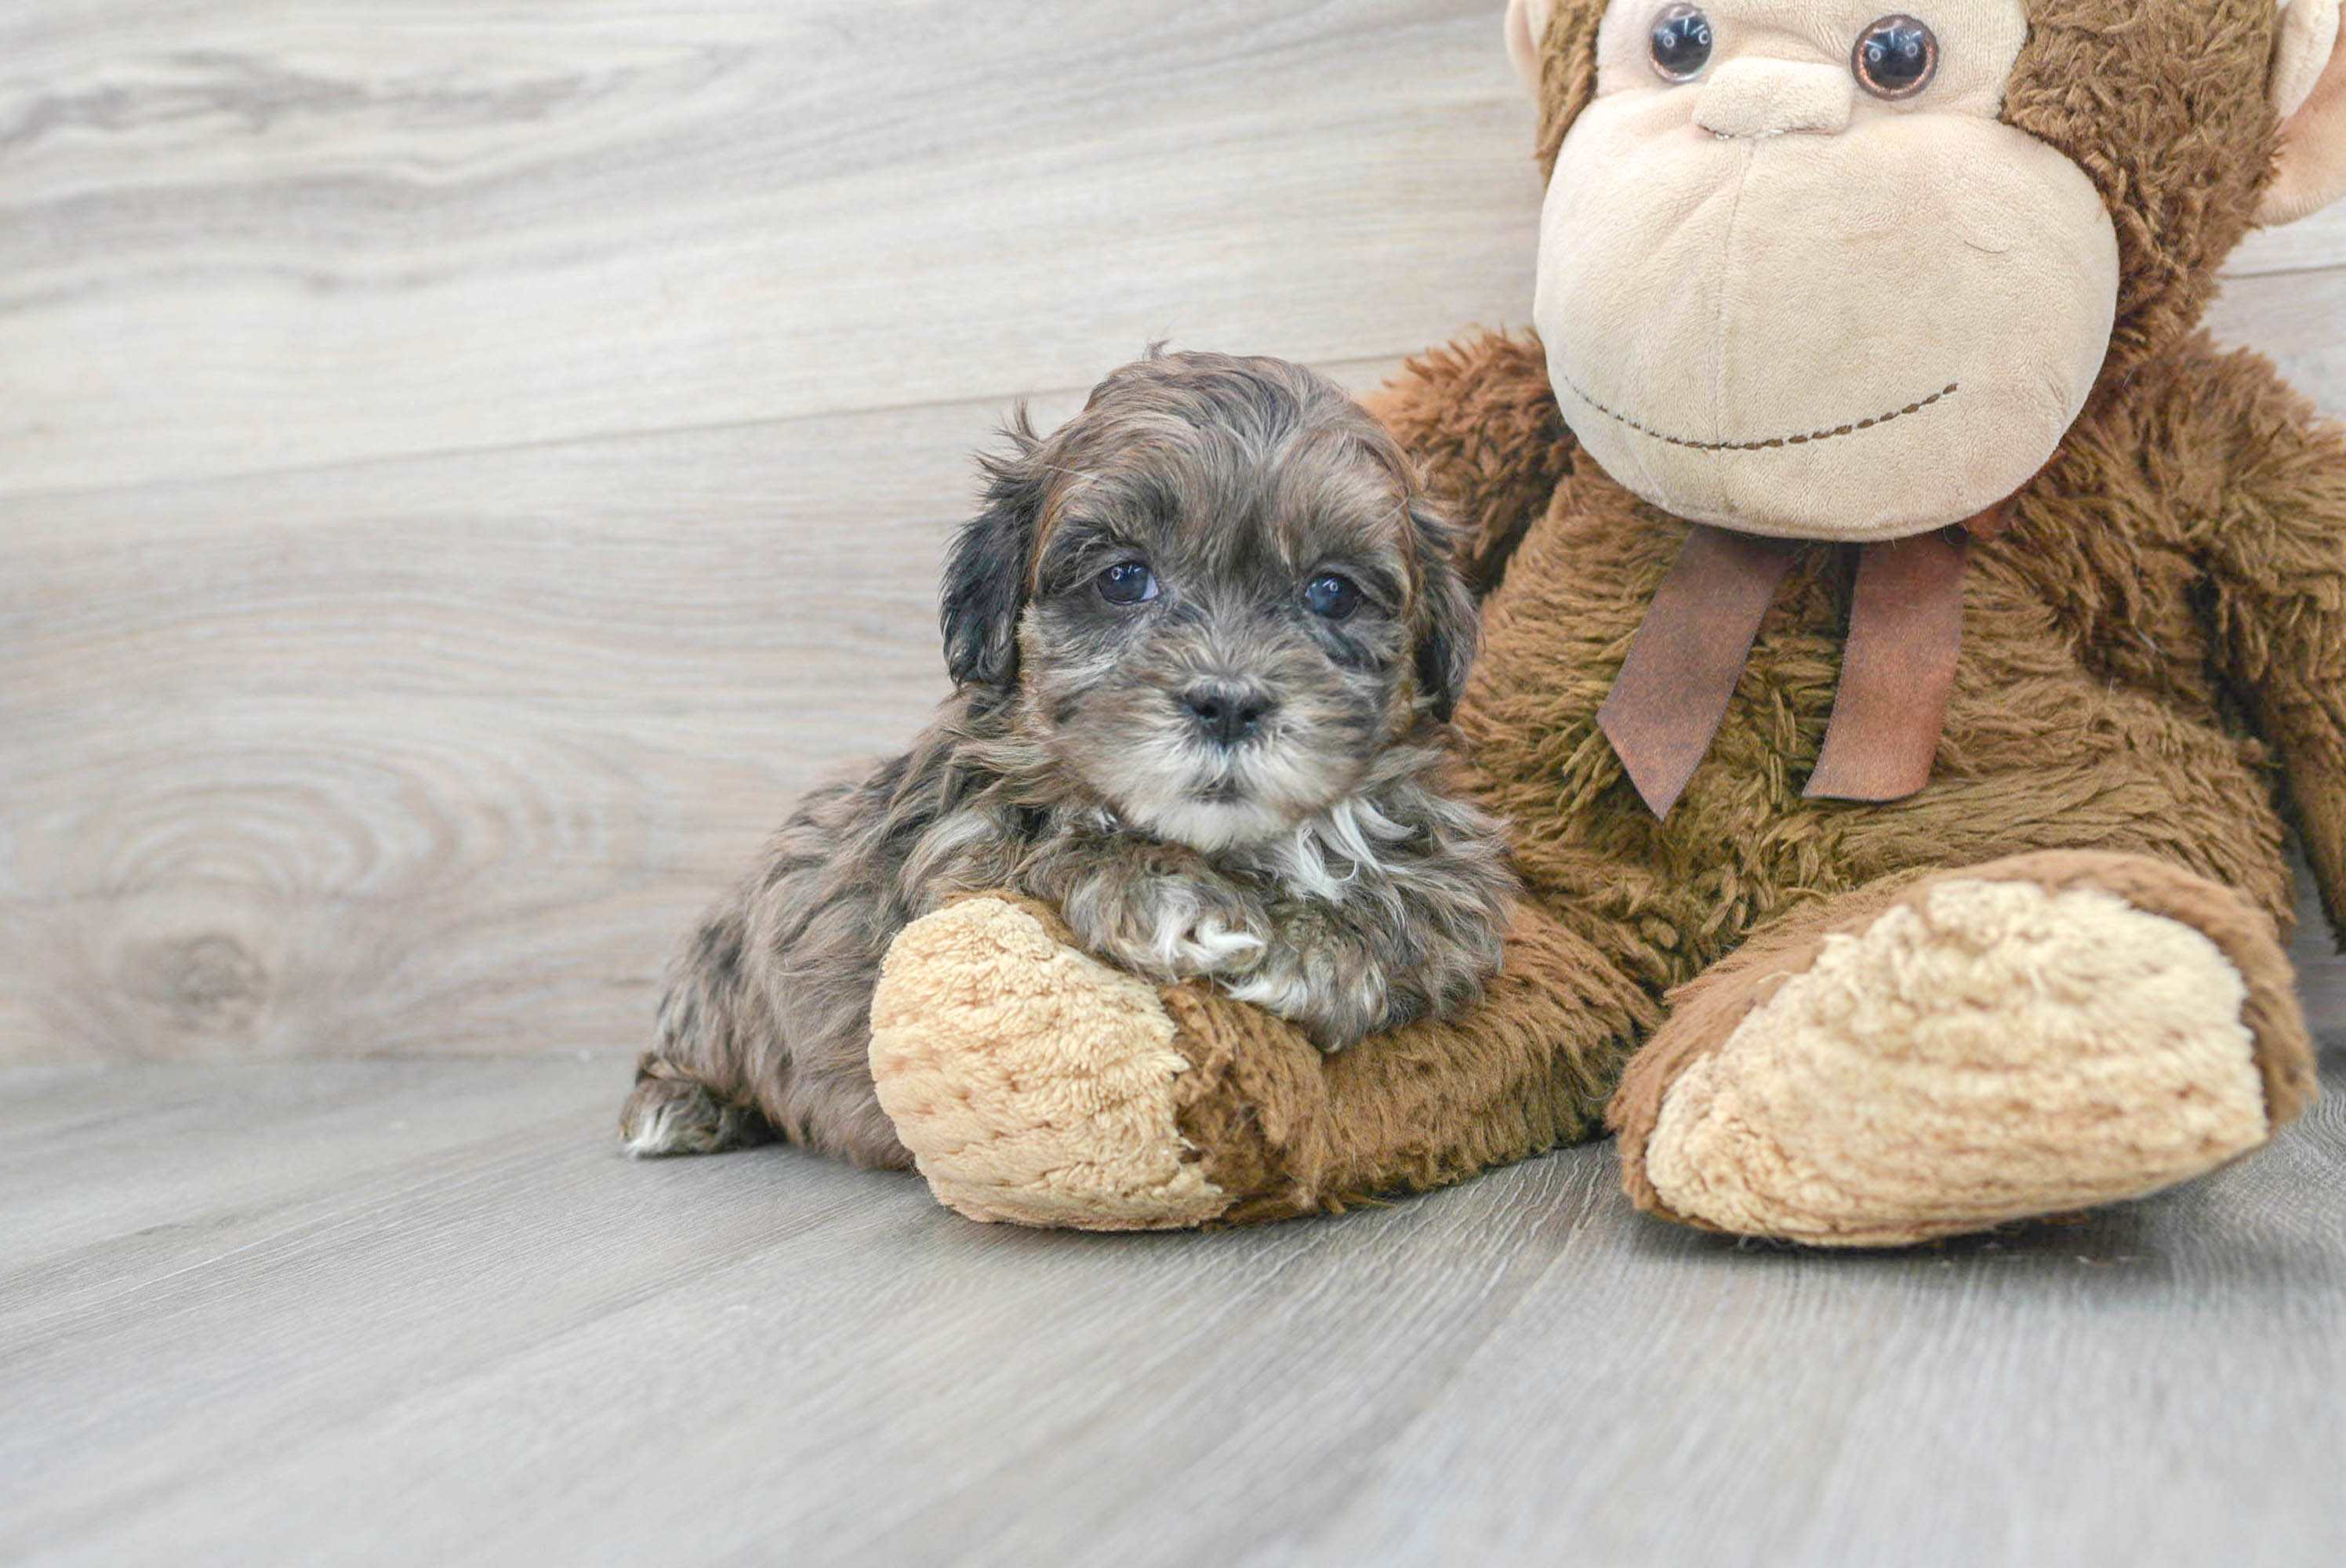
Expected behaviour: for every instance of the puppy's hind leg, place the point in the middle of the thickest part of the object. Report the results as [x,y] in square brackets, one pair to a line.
[691,1095]
[671,1116]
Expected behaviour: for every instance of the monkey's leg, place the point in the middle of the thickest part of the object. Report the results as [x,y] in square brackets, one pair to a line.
[2032,1037]
[1037,1085]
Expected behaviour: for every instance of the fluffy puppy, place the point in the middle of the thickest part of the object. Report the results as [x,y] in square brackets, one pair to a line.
[1207,638]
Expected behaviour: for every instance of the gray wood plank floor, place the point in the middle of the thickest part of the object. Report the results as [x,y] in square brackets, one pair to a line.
[422,1312]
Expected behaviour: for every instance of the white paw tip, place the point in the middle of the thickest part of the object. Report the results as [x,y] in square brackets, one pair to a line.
[653,1134]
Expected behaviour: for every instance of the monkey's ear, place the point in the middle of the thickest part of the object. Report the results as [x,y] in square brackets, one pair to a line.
[2309,92]
[1449,623]
[992,561]
[1526,28]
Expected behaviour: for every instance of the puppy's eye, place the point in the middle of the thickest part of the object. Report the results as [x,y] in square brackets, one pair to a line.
[1331,597]
[1126,583]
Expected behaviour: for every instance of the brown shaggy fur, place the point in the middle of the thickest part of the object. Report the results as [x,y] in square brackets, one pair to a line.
[1211,777]
[2153,672]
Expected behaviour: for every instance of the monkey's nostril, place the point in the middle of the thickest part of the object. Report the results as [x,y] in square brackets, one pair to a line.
[1227,712]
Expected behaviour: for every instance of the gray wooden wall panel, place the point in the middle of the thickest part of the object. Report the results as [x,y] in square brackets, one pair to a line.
[462,467]
[431,755]
[244,235]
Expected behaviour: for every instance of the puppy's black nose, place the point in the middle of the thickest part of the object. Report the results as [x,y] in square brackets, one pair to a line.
[1227,712]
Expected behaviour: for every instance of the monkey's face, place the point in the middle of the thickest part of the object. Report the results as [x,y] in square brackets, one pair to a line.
[1797,279]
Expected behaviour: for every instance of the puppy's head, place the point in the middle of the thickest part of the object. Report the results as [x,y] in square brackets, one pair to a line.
[1217,592]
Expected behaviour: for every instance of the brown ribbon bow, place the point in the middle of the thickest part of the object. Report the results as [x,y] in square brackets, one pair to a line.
[1898,661]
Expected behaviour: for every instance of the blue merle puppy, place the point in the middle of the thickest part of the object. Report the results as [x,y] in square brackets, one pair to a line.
[1207,637]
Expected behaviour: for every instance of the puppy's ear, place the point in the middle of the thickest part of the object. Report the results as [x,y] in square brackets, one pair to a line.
[1449,623]
[993,559]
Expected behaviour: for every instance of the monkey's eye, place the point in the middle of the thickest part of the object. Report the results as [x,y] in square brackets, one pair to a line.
[1331,597]
[1896,59]
[1126,583]
[1681,43]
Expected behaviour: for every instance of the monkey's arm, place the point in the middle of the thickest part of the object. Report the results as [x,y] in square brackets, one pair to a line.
[1480,419]
[1528,1066]
[1037,1085]
[2275,547]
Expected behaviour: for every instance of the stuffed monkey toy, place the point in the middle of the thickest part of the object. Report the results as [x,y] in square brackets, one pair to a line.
[1906,637]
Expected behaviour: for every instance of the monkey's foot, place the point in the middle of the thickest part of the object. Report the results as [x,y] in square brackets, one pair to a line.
[2031,1037]
[1033,1084]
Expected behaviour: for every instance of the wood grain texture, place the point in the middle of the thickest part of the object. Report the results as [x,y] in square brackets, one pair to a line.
[422,1312]
[246,236]
[432,757]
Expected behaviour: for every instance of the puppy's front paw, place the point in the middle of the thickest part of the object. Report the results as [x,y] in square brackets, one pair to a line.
[1165,931]
[1212,946]
[1335,1004]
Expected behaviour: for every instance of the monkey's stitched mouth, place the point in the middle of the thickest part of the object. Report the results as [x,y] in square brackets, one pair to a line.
[1815,435]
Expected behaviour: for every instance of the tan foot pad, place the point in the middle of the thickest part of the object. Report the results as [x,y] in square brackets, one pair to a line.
[2000,1052]
[1032,1082]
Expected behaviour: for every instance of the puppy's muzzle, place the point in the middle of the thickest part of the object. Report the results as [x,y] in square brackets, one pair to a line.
[1226,711]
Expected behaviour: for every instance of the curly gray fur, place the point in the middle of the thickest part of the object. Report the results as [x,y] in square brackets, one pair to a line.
[1224,780]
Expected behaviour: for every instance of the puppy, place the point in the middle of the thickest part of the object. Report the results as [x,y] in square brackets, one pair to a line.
[1207,638]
